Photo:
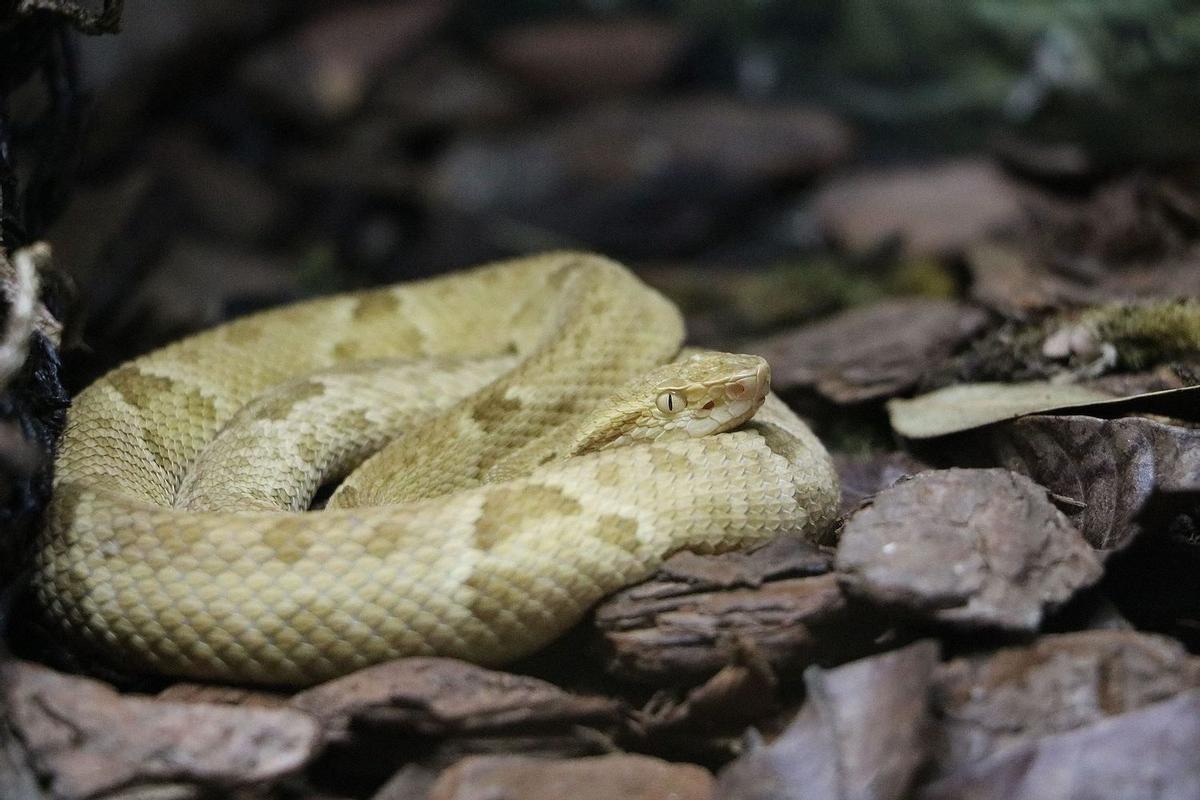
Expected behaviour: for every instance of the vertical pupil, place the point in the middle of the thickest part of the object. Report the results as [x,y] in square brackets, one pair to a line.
[670,402]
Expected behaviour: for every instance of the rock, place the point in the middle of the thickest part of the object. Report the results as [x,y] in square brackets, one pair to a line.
[602,778]
[966,547]
[1143,754]
[935,210]
[689,621]
[84,740]
[583,58]
[846,360]
[993,701]
[862,735]
[323,70]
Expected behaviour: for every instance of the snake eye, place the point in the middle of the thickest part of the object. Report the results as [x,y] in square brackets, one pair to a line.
[671,402]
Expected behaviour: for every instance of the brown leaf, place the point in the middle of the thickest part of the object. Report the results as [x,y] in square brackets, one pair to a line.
[935,209]
[1111,466]
[84,740]
[846,360]
[861,735]
[602,778]
[991,701]
[968,547]
[1147,753]
[689,621]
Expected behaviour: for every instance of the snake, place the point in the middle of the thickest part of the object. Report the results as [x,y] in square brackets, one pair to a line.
[509,444]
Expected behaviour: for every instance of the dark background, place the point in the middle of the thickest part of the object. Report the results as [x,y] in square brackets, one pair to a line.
[763,162]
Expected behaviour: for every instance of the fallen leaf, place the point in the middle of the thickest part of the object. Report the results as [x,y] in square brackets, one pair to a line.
[967,547]
[973,405]
[1111,467]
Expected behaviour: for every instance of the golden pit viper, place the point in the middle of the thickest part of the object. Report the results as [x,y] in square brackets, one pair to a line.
[525,438]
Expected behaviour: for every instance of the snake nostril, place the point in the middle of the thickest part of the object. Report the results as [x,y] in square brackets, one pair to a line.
[709,405]
[737,390]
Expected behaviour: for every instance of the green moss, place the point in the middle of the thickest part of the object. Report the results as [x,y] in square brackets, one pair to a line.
[1150,334]
[925,277]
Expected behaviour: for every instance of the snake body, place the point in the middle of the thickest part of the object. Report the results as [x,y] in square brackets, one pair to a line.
[522,455]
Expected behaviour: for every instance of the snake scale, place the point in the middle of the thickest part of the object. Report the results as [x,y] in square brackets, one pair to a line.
[520,439]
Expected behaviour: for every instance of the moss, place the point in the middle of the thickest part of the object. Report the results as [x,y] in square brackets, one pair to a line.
[1088,344]
[1146,335]
[925,277]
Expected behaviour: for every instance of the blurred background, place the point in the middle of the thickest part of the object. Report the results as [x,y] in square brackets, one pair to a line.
[765,163]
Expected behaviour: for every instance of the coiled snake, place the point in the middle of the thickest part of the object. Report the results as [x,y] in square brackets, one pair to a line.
[535,448]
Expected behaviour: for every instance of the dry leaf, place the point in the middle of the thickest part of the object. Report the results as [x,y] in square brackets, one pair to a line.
[973,405]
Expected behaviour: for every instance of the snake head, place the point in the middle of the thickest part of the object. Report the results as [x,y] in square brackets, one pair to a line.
[699,395]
